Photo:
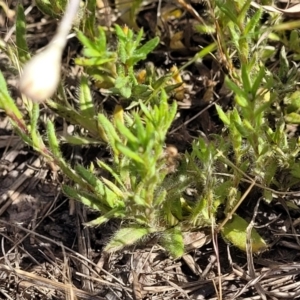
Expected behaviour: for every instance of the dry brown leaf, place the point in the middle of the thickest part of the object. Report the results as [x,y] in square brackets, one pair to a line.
[9,12]
[193,266]
[195,240]
[293,11]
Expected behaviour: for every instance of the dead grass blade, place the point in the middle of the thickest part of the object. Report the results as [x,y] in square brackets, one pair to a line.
[51,284]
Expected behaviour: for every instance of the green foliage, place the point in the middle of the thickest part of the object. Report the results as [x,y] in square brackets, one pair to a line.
[10,108]
[53,8]
[89,18]
[140,191]
[22,48]
[137,191]
[114,70]
[86,15]
[126,237]
[235,231]
[172,241]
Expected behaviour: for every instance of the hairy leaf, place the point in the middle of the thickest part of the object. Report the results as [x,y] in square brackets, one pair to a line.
[126,237]
[235,231]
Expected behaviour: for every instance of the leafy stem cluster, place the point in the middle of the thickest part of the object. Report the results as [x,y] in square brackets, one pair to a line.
[259,148]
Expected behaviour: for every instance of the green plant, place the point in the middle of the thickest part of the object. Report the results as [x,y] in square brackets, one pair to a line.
[136,193]
[253,148]
[259,151]
[84,18]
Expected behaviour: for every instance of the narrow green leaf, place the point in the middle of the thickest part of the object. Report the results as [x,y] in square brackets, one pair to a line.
[283,26]
[8,104]
[46,8]
[35,136]
[90,178]
[243,12]
[161,82]
[284,64]
[176,208]
[94,61]
[120,33]
[235,116]
[22,47]
[86,42]
[140,89]
[3,86]
[110,131]
[253,22]
[129,153]
[126,133]
[246,79]
[116,176]
[126,237]
[160,198]
[53,142]
[71,115]
[294,40]
[145,110]
[141,132]
[10,108]
[79,140]
[293,102]
[241,129]
[122,53]
[248,126]
[101,40]
[138,38]
[172,241]
[172,87]
[205,29]
[169,217]
[205,51]
[241,101]
[107,195]
[90,18]
[35,113]
[85,99]
[258,80]
[85,198]
[261,109]
[238,92]
[118,212]
[235,35]
[172,110]
[222,115]
[59,5]
[143,51]
[113,187]
[228,12]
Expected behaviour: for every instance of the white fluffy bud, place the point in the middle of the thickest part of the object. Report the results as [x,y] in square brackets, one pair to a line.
[41,74]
